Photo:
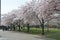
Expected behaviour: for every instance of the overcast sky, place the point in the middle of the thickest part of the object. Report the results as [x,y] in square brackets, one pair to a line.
[9,5]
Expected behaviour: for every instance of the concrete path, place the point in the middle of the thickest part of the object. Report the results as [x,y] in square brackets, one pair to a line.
[8,35]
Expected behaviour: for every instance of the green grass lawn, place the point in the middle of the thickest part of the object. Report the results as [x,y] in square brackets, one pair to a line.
[53,33]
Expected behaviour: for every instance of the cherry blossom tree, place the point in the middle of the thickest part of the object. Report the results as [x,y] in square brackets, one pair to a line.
[41,11]
[36,12]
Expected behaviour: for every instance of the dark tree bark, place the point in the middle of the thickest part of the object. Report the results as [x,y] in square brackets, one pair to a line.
[19,28]
[42,25]
[13,28]
[28,28]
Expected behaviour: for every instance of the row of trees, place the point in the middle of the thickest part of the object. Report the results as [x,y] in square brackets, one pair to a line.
[36,12]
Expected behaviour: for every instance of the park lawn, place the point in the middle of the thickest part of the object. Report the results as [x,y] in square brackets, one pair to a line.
[32,30]
[53,33]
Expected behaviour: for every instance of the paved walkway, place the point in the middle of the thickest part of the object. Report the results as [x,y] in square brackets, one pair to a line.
[7,35]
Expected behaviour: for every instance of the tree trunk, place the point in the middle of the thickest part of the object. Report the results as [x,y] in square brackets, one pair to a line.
[42,25]
[19,28]
[42,29]
[48,29]
[28,28]
[14,29]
